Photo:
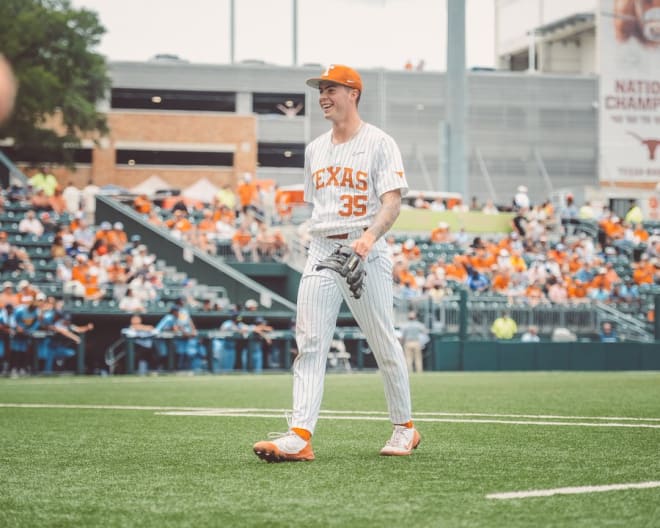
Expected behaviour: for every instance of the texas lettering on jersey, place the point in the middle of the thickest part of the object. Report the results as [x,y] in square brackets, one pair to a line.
[340,177]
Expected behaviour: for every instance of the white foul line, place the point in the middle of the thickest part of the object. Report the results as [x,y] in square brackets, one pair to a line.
[572,490]
[429,417]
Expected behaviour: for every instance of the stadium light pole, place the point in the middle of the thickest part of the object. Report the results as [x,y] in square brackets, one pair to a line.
[456,101]
[232,32]
[294,30]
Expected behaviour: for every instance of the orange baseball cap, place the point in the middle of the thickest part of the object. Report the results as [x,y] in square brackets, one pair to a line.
[339,74]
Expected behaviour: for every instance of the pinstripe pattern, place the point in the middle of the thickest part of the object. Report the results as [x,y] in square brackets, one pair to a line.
[368,165]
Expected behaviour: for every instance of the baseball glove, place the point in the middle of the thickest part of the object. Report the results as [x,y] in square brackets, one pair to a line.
[349,265]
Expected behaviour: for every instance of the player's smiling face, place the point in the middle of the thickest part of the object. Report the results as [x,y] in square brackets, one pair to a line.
[335,100]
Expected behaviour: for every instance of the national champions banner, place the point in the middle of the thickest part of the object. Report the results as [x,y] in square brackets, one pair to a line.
[629,56]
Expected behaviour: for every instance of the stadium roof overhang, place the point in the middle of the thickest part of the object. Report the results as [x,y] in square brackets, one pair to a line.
[566,27]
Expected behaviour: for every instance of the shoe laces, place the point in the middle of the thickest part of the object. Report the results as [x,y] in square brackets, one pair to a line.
[398,437]
[275,435]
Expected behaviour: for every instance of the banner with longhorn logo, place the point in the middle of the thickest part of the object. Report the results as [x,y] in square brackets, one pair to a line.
[629,56]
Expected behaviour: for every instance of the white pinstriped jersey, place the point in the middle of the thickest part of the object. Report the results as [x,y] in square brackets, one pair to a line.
[344,182]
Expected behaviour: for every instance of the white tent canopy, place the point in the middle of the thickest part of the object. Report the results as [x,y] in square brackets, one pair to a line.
[202,190]
[152,184]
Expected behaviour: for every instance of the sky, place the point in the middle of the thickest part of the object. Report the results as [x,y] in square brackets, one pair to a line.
[360,33]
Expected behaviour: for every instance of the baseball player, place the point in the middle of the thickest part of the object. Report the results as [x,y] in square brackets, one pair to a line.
[354,179]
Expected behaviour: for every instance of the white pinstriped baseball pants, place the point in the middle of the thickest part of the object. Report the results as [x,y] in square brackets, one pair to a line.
[319,300]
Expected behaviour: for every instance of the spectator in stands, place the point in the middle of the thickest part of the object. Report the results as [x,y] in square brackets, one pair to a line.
[39,201]
[644,271]
[519,222]
[531,335]
[247,192]
[570,210]
[226,197]
[117,236]
[72,198]
[599,293]
[439,290]
[265,242]
[88,199]
[477,281]
[155,219]
[557,292]
[521,199]
[489,208]
[414,337]
[441,234]
[634,214]
[142,287]
[608,333]
[30,224]
[57,203]
[461,239]
[206,223]
[142,204]
[411,251]
[44,180]
[7,295]
[534,292]
[224,229]
[85,236]
[640,235]
[242,243]
[5,246]
[57,249]
[49,223]
[281,246]
[180,225]
[501,279]
[586,212]
[131,303]
[438,204]
[15,262]
[421,203]
[504,327]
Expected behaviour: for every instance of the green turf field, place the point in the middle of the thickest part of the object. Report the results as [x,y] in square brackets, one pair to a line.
[105,452]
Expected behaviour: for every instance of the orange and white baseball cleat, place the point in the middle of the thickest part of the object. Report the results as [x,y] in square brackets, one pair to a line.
[285,447]
[402,442]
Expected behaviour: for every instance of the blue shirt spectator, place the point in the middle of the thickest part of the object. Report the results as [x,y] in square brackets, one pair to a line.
[477,281]
[608,334]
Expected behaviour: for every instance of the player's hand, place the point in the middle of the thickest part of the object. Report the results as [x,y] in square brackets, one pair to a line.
[363,245]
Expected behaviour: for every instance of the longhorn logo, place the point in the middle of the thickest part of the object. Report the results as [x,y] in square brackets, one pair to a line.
[650,144]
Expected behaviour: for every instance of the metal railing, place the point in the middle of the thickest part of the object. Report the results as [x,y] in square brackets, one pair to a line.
[583,319]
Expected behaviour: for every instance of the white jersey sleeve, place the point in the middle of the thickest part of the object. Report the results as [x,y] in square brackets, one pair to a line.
[388,165]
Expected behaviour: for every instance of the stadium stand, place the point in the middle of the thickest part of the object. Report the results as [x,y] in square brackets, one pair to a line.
[571,269]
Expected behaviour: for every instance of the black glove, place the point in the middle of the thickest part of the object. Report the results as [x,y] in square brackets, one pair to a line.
[345,261]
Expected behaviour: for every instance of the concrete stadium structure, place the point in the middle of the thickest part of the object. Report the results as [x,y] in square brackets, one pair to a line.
[540,130]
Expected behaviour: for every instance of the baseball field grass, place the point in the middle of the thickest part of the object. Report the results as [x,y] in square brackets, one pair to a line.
[176,451]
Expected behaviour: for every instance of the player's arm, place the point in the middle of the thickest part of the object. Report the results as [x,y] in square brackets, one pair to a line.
[383,221]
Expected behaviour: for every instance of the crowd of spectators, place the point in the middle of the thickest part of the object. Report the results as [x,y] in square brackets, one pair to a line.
[546,258]
[241,223]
